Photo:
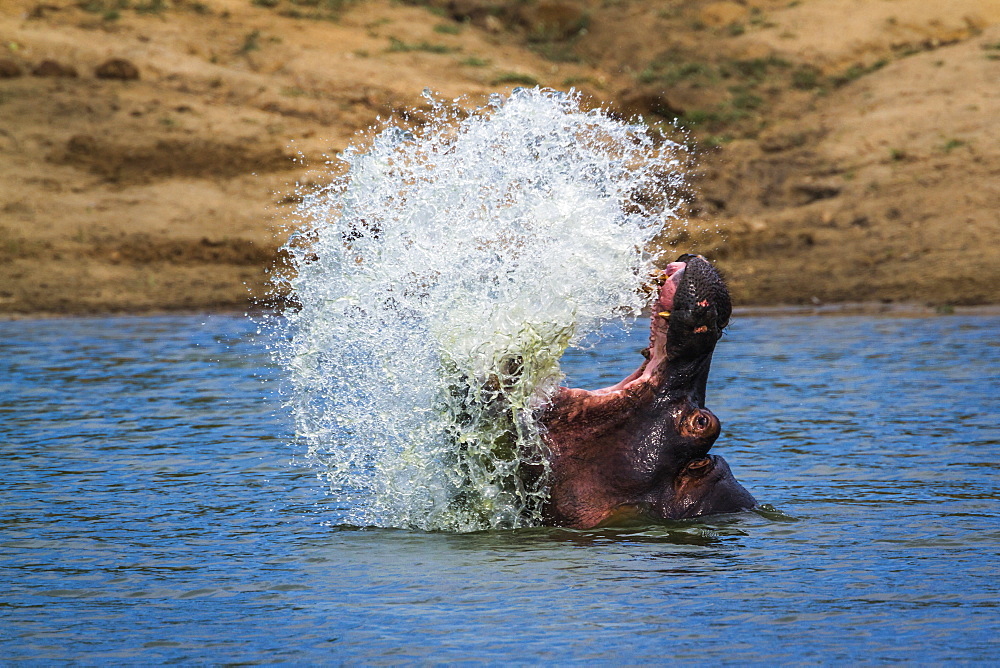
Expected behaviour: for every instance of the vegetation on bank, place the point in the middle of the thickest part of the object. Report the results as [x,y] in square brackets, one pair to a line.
[182,126]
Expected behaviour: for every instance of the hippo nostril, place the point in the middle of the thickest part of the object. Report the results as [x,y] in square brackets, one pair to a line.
[700,424]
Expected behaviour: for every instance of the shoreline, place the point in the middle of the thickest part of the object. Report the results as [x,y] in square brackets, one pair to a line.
[891,310]
[823,174]
[878,309]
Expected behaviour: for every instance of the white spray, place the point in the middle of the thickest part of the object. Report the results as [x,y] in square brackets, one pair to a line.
[441,279]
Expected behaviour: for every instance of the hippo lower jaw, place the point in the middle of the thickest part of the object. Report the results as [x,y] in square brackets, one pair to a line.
[640,448]
[710,491]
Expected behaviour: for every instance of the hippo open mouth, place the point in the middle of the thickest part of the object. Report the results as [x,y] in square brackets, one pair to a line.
[640,448]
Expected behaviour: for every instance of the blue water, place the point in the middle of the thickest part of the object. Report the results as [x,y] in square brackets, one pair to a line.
[150,513]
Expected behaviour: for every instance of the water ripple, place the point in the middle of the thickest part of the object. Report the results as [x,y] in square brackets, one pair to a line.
[150,514]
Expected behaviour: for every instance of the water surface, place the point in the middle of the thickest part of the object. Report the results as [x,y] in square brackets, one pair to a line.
[150,513]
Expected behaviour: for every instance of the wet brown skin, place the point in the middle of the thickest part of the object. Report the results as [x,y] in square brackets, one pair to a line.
[639,449]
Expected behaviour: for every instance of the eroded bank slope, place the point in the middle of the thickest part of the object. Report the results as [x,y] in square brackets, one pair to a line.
[149,149]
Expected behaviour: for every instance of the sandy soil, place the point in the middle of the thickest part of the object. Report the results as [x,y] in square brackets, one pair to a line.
[846,150]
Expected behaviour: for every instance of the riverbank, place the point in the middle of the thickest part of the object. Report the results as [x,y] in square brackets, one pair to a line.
[841,309]
[152,153]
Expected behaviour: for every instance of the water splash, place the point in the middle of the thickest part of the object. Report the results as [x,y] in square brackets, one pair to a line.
[441,278]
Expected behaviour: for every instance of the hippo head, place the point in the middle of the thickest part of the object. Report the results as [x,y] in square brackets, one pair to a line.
[639,449]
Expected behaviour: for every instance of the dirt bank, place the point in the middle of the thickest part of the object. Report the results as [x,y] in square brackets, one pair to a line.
[150,149]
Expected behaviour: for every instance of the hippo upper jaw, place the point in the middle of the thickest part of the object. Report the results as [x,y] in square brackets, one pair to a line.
[696,311]
[644,442]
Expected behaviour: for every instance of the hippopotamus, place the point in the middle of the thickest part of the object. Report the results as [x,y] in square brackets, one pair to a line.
[639,450]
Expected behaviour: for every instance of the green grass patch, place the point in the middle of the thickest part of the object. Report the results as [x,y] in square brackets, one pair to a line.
[514,78]
[112,9]
[474,61]
[753,70]
[720,121]
[109,9]
[150,7]
[251,42]
[448,28]
[399,46]
[697,117]
[671,73]
[551,32]
[758,18]
[317,10]
[806,77]
[669,70]
[329,5]
[951,145]
[746,101]
[855,72]
[557,52]
[713,141]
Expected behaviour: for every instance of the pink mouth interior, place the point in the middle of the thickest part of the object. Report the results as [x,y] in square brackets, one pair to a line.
[658,325]
[673,273]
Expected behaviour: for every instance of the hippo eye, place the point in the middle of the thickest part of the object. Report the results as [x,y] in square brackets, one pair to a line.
[701,420]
